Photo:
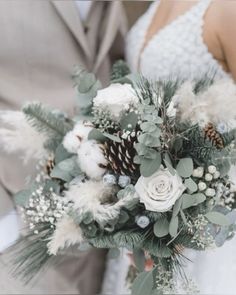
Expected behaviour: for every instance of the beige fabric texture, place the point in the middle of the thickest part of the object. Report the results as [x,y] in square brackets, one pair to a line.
[41,42]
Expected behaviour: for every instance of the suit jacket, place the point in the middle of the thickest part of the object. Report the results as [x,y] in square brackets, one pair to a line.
[41,42]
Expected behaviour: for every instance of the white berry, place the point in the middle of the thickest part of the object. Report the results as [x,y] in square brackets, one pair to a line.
[216,175]
[210,192]
[198,172]
[202,186]
[208,177]
[212,169]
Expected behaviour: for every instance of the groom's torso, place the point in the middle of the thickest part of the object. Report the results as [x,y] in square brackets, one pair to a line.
[41,42]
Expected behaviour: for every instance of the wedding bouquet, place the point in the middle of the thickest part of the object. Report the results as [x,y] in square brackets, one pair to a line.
[143,165]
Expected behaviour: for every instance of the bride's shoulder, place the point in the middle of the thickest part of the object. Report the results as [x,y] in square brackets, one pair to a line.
[224,11]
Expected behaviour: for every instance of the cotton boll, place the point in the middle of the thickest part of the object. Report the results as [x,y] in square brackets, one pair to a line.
[71,143]
[74,138]
[91,159]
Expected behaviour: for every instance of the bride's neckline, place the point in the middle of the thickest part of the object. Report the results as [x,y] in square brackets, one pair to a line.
[165,26]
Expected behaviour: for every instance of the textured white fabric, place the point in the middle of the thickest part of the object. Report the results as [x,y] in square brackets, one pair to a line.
[179,49]
[176,49]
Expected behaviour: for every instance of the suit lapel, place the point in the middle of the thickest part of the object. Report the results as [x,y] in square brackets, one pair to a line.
[115,21]
[70,15]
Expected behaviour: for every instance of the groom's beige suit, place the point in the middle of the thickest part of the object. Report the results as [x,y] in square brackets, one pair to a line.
[41,42]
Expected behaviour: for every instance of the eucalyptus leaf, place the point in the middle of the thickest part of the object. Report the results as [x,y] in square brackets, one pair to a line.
[66,165]
[177,207]
[143,284]
[95,134]
[61,174]
[191,185]
[222,236]
[22,197]
[192,200]
[217,218]
[168,164]
[148,127]
[185,167]
[139,259]
[183,217]
[161,228]
[61,154]
[112,137]
[173,227]
[149,166]
[129,121]
[51,184]
[149,140]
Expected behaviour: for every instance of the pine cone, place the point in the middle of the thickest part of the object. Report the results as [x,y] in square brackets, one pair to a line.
[49,166]
[214,136]
[121,155]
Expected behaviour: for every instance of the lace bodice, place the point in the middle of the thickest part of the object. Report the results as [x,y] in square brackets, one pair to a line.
[176,49]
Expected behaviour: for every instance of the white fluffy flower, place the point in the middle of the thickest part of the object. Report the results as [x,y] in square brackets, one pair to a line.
[17,135]
[74,138]
[115,98]
[208,106]
[94,197]
[91,159]
[67,234]
[160,191]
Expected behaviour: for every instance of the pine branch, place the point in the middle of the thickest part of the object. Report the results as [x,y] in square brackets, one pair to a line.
[43,120]
[30,254]
[120,69]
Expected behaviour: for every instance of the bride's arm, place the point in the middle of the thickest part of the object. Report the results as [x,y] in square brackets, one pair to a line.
[227,32]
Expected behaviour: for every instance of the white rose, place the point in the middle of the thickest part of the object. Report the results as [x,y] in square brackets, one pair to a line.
[160,191]
[115,98]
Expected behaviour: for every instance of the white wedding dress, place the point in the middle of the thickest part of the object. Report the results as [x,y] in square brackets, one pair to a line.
[178,49]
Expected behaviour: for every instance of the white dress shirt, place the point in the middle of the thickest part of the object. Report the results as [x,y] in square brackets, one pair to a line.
[84,8]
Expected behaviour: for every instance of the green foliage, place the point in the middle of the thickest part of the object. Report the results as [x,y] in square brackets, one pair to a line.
[185,167]
[87,86]
[161,228]
[217,218]
[45,121]
[66,170]
[192,200]
[139,258]
[120,69]
[143,284]
[193,144]
[30,254]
